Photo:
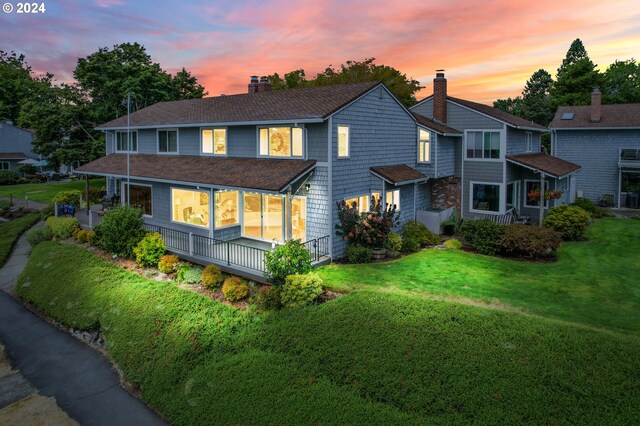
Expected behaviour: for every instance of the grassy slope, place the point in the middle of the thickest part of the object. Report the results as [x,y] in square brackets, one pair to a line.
[44,192]
[593,282]
[10,231]
[387,358]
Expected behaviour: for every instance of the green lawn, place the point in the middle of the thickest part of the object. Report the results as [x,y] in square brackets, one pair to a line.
[596,282]
[10,231]
[44,192]
[373,357]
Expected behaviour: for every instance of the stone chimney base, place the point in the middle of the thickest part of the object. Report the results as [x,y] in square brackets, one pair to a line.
[445,193]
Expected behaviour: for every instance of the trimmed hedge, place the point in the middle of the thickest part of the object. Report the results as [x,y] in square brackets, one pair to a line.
[212,276]
[300,290]
[358,254]
[529,241]
[483,235]
[235,289]
[62,227]
[121,230]
[570,221]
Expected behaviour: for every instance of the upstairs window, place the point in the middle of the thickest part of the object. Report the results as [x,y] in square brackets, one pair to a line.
[168,141]
[121,141]
[281,142]
[483,145]
[528,139]
[343,141]
[424,146]
[214,141]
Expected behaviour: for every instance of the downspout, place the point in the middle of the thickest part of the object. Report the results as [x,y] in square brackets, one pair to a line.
[330,183]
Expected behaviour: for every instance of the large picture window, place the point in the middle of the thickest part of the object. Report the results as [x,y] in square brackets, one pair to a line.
[121,141]
[424,146]
[281,142]
[168,141]
[214,141]
[190,207]
[4,165]
[139,196]
[485,197]
[227,212]
[483,145]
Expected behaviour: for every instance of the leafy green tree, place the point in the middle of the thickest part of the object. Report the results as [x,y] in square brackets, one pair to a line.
[16,84]
[621,82]
[186,86]
[510,105]
[401,86]
[536,98]
[575,84]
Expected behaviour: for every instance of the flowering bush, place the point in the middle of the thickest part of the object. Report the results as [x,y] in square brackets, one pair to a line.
[369,229]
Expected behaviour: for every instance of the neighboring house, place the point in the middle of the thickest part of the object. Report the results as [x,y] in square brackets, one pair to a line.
[605,140]
[498,160]
[15,146]
[269,166]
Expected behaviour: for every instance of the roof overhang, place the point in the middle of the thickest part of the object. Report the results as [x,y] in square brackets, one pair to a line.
[398,175]
[248,174]
[221,124]
[542,168]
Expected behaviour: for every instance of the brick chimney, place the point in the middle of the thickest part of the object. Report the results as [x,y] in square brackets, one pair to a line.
[264,85]
[253,85]
[440,97]
[596,105]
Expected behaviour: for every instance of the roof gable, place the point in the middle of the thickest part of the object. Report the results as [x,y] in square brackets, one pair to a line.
[311,104]
[612,116]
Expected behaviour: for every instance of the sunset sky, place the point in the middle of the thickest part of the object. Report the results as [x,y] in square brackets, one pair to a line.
[488,48]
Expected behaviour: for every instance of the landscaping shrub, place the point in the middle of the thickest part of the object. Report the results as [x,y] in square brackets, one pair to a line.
[8,177]
[68,198]
[47,211]
[150,249]
[290,258]
[595,211]
[368,229]
[416,232]
[212,277]
[452,225]
[38,235]
[393,243]
[410,245]
[167,263]
[91,236]
[483,235]
[529,241]
[570,221]
[62,227]
[300,290]
[453,244]
[268,298]
[358,254]
[121,230]
[235,289]
[81,236]
[189,274]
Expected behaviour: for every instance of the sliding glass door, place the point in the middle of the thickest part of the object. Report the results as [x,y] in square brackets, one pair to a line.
[265,217]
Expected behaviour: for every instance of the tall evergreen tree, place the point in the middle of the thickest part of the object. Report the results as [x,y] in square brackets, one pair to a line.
[575,53]
[536,98]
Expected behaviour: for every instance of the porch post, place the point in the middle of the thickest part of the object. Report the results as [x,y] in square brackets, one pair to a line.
[541,198]
[86,189]
[288,216]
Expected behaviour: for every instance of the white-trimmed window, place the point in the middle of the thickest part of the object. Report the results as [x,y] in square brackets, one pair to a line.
[529,141]
[513,191]
[392,197]
[139,196]
[483,145]
[190,207]
[534,185]
[168,141]
[121,141]
[485,197]
[227,208]
[4,165]
[343,141]
[361,203]
[424,146]
[214,141]
[281,142]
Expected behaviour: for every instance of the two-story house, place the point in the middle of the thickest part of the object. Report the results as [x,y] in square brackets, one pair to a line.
[15,146]
[499,163]
[268,166]
[605,140]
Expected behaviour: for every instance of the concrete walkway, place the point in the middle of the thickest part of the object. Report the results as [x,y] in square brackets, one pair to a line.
[60,366]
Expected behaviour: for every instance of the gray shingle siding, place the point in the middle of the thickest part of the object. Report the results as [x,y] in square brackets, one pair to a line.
[447,149]
[598,152]
[242,141]
[458,117]
[517,142]
[15,139]
[381,133]
[317,141]
[423,196]
[478,171]
[188,141]
[318,208]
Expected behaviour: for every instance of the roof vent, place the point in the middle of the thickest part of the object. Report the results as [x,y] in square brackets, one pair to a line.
[567,115]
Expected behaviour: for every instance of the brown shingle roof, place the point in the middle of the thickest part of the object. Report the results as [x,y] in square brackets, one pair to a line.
[434,125]
[12,156]
[398,174]
[621,115]
[546,163]
[289,105]
[251,173]
[505,117]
